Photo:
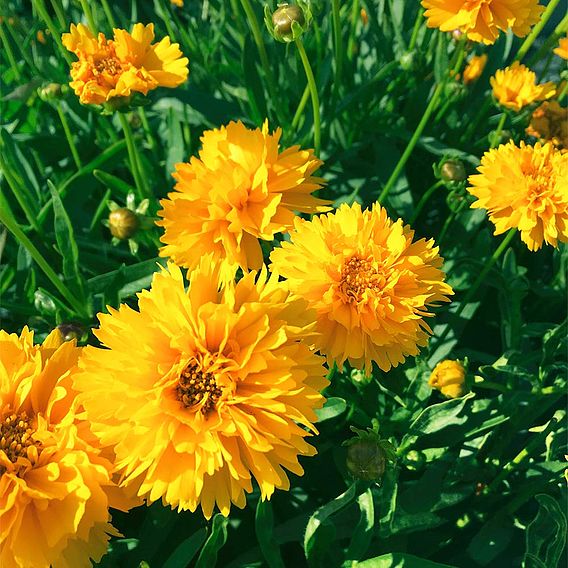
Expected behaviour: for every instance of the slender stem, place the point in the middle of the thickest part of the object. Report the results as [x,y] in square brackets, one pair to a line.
[108,13]
[147,130]
[166,19]
[42,11]
[412,142]
[68,135]
[416,29]
[536,30]
[351,42]
[314,94]
[139,179]
[58,9]
[10,54]
[496,137]
[90,20]
[338,44]
[562,93]
[449,222]
[8,220]
[559,31]
[301,107]
[475,122]
[424,199]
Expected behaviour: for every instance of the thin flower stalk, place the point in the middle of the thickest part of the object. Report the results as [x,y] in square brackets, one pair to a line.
[10,54]
[134,158]
[529,40]
[338,45]
[68,136]
[424,199]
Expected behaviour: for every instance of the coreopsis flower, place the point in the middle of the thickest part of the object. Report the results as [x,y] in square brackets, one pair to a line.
[200,391]
[129,63]
[449,378]
[240,189]
[549,122]
[370,283]
[177,3]
[482,20]
[524,188]
[562,49]
[53,483]
[474,68]
[515,87]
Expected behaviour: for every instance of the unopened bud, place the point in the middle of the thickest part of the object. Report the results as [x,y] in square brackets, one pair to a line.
[123,223]
[285,15]
[453,170]
[449,378]
[414,460]
[70,331]
[289,21]
[50,92]
[366,460]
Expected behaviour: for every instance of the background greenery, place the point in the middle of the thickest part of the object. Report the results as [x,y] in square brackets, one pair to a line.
[478,480]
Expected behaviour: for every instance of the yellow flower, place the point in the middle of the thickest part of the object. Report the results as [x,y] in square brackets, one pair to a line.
[515,87]
[370,284]
[524,188]
[40,36]
[53,484]
[202,390]
[562,49]
[177,3]
[549,122]
[449,378]
[482,20]
[118,67]
[240,189]
[474,68]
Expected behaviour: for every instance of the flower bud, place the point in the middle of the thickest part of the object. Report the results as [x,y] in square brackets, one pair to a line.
[453,170]
[50,92]
[123,223]
[364,17]
[70,331]
[414,460]
[289,21]
[449,378]
[366,460]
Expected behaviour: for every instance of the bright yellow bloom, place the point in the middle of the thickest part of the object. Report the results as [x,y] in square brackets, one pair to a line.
[549,122]
[201,390]
[524,188]
[474,68]
[482,20]
[178,3]
[515,87]
[53,484]
[449,378]
[370,284]
[562,49]
[240,189]
[118,67]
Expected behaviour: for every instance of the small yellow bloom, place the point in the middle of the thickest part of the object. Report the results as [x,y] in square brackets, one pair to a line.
[524,188]
[474,68]
[449,378]
[364,17]
[370,283]
[118,67]
[482,20]
[40,36]
[178,3]
[515,87]
[549,123]
[562,49]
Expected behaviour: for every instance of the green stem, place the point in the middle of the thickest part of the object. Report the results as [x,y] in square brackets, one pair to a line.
[8,220]
[416,28]
[480,116]
[301,107]
[412,143]
[90,20]
[338,44]
[133,158]
[10,54]
[353,30]
[314,94]
[68,135]
[563,92]
[147,130]
[58,9]
[496,137]
[559,31]
[108,13]
[449,222]
[42,11]
[424,199]
[536,30]
[166,19]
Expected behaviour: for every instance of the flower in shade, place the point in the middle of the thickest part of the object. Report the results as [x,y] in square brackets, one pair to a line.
[524,188]
[562,49]
[177,3]
[515,87]
[200,391]
[549,123]
[482,20]
[370,283]
[54,485]
[129,63]
[474,68]
[449,378]
[240,189]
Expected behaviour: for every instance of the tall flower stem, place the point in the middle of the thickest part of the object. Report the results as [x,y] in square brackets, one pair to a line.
[536,30]
[546,46]
[10,54]
[58,9]
[351,42]
[314,94]
[68,135]
[89,15]
[44,15]
[496,138]
[108,13]
[424,199]
[134,158]
[338,44]
[301,106]
[475,122]
[416,29]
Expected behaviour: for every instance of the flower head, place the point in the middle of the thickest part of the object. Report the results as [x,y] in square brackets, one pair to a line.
[515,87]
[549,122]
[474,68]
[524,188]
[129,63]
[482,20]
[370,284]
[240,189]
[562,49]
[54,485]
[449,378]
[202,390]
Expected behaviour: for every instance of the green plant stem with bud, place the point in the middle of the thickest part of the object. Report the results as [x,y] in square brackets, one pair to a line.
[523,50]
[424,199]
[314,95]
[68,135]
[134,158]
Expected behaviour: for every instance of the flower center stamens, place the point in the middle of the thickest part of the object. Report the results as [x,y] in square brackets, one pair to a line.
[110,65]
[357,277]
[198,387]
[16,436]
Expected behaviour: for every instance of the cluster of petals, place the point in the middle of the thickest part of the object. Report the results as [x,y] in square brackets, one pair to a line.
[524,187]
[222,389]
[562,49]
[129,63]
[55,486]
[549,123]
[474,68]
[240,189]
[370,283]
[515,87]
[483,20]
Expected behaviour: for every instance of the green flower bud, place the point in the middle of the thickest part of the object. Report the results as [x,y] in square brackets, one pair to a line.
[123,223]
[453,170]
[289,21]
[50,92]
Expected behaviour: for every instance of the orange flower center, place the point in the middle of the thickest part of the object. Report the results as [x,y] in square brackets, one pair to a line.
[359,276]
[197,387]
[110,65]
[16,436]
[540,180]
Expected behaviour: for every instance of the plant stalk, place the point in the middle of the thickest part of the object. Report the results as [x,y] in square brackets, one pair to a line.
[536,30]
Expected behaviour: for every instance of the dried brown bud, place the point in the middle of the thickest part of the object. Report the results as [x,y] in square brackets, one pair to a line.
[123,223]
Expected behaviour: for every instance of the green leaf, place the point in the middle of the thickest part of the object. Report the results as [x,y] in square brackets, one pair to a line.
[400,560]
[363,533]
[176,150]
[253,84]
[216,540]
[264,526]
[185,552]
[114,183]
[334,406]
